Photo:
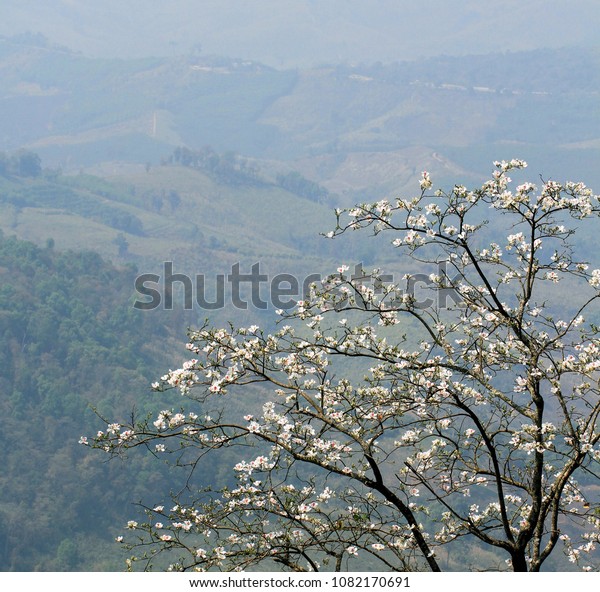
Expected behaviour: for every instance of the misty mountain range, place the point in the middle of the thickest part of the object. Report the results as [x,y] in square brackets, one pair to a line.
[305,32]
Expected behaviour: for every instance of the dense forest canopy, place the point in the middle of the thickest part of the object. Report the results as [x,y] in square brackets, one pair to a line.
[70,341]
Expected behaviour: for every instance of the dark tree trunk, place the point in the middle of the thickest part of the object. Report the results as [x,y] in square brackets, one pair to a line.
[519,563]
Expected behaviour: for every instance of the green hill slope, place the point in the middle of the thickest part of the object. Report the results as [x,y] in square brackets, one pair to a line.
[164,212]
[69,339]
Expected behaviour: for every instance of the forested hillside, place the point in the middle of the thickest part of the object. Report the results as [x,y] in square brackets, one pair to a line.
[69,341]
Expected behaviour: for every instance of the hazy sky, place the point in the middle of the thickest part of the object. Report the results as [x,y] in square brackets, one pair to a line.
[305,32]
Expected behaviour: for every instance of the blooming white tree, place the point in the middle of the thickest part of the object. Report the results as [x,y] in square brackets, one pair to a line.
[393,435]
